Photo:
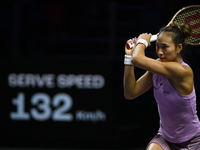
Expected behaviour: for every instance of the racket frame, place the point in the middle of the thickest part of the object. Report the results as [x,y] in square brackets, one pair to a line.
[130,45]
[177,13]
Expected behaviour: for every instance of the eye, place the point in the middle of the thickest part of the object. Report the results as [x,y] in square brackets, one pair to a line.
[165,46]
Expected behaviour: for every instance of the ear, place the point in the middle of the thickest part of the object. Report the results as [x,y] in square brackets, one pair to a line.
[179,48]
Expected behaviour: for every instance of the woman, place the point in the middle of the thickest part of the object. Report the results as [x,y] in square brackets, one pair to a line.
[172,80]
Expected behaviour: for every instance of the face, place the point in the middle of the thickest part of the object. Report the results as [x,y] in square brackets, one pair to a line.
[166,49]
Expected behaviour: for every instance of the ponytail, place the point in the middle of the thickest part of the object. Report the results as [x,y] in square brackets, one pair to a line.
[178,32]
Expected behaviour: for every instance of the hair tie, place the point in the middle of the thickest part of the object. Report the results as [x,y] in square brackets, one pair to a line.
[181,31]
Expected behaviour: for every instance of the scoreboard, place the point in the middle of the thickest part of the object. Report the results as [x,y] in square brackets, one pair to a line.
[54,100]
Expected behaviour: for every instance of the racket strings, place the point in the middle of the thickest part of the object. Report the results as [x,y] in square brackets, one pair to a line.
[192,17]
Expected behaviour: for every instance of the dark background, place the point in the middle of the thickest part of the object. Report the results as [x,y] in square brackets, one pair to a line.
[65,36]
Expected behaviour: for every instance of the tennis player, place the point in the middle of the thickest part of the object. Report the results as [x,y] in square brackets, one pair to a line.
[174,91]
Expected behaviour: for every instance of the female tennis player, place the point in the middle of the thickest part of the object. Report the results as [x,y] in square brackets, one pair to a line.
[172,80]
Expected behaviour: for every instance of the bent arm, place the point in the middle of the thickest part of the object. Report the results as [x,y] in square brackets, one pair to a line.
[171,70]
[180,76]
[133,88]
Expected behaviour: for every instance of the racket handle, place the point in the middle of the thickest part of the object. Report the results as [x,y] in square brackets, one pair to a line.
[130,45]
[153,38]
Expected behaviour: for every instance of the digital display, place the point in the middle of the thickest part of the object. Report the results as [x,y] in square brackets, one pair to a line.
[50,100]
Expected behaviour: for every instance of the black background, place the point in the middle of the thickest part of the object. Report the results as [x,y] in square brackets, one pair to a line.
[81,37]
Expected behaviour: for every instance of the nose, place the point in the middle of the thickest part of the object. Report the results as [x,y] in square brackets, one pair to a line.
[159,51]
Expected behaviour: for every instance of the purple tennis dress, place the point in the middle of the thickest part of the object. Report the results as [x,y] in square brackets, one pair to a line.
[178,116]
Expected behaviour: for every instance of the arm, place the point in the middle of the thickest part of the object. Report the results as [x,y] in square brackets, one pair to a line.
[133,88]
[180,76]
[171,70]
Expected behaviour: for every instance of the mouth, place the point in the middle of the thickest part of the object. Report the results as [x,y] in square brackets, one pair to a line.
[162,59]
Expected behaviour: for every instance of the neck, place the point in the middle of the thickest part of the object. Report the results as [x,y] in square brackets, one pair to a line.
[178,58]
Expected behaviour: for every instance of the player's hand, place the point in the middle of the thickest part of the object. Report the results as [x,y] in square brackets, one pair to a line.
[146,37]
[130,51]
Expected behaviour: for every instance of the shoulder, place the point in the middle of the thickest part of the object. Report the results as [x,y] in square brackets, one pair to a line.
[185,65]
[184,84]
[188,71]
[187,68]
[173,70]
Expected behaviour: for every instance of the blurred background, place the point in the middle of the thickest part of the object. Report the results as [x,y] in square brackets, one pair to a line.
[61,80]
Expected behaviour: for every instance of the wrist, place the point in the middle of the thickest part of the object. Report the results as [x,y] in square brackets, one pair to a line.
[128,60]
[142,41]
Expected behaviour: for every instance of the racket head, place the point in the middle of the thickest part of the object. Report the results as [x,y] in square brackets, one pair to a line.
[190,15]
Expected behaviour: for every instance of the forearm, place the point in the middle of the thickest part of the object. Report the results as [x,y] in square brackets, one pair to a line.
[139,51]
[139,57]
[129,76]
[129,81]
[133,88]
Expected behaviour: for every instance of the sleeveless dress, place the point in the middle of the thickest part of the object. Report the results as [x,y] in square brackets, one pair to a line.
[178,116]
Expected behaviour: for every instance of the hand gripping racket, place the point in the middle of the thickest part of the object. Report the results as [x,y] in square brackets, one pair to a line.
[130,45]
[190,15]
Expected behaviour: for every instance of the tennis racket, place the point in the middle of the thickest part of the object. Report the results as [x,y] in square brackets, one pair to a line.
[190,15]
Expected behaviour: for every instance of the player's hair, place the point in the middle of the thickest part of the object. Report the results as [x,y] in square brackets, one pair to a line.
[178,33]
